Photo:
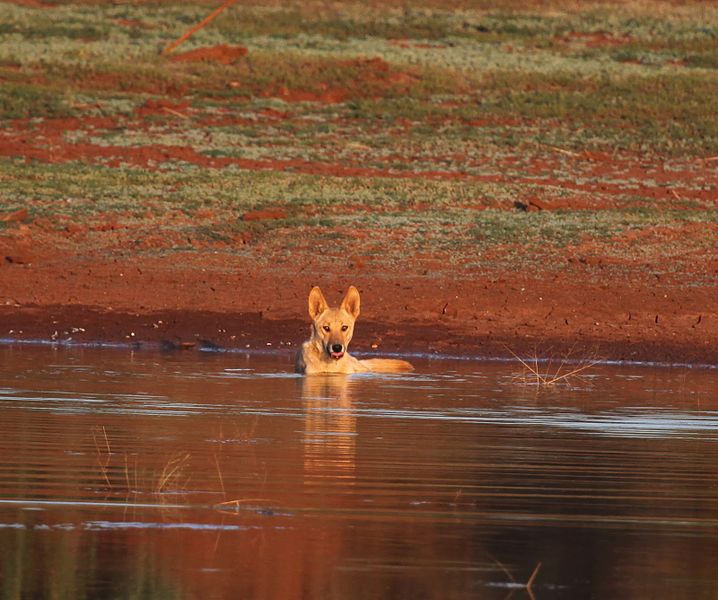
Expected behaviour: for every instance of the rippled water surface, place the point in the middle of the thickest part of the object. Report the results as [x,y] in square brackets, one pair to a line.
[217,476]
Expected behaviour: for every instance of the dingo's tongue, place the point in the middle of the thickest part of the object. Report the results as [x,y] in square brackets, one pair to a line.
[336,355]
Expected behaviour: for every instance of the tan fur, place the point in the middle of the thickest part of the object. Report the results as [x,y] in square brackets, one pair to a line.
[333,328]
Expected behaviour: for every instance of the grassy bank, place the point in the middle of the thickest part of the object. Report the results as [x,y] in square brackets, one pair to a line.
[493,137]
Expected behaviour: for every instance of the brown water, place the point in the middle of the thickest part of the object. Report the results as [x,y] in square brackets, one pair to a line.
[224,476]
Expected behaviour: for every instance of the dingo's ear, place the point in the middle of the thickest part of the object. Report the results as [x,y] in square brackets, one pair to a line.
[317,303]
[351,302]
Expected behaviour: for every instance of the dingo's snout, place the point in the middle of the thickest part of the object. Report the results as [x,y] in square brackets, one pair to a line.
[336,351]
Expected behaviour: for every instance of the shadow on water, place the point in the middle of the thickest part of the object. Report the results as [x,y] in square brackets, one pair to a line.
[147,475]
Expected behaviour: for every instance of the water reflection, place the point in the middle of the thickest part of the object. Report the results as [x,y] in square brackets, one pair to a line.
[223,476]
[329,429]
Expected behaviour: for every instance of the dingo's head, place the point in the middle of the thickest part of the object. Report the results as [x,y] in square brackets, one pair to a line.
[332,328]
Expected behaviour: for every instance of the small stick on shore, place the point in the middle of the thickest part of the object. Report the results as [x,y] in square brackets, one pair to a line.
[175,113]
[561,150]
[194,29]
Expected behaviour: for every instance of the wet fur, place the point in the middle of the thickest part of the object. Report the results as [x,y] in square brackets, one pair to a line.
[332,328]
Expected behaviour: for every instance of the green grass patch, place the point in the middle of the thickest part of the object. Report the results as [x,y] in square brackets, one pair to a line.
[698,53]
[562,228]
[272,73]
[261,74]
[75,189]
[21,101]
[670,112]
[245,23]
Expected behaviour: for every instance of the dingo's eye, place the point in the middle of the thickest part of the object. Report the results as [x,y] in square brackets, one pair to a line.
[345,327]
[326,328]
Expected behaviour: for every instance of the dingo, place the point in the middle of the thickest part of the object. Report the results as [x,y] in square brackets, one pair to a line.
[332,328]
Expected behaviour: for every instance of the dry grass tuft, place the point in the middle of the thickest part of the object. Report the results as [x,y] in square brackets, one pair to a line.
[104,455]
[514,585]
[551,373]
[172,473]
[129,479]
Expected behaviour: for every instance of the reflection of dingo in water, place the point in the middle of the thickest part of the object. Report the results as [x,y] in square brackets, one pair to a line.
[329,428]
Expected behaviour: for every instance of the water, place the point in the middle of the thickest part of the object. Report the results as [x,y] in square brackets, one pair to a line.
[217,476]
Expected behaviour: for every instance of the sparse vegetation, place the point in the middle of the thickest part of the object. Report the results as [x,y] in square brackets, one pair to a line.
[444,120]
[566,371]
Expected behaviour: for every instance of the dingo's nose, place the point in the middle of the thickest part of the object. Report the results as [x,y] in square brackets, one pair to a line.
[337,348]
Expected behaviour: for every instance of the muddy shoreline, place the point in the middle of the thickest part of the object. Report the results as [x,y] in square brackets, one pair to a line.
[195,331]
[206,299]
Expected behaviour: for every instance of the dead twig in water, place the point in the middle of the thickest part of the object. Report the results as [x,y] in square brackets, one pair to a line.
[127,474]
[530,582]
[515,585]
[527,366]
[504,569]
[219,473]
[172,471]
[242,501]
[237,504]
[103,464]
[107,442]
[536,368]
[189,33]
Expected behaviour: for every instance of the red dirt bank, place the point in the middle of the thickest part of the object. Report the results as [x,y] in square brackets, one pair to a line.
[234,303]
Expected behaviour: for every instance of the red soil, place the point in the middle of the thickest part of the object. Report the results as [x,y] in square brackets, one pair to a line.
[325,95]
[56,286]
[597,39]
[221,54]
